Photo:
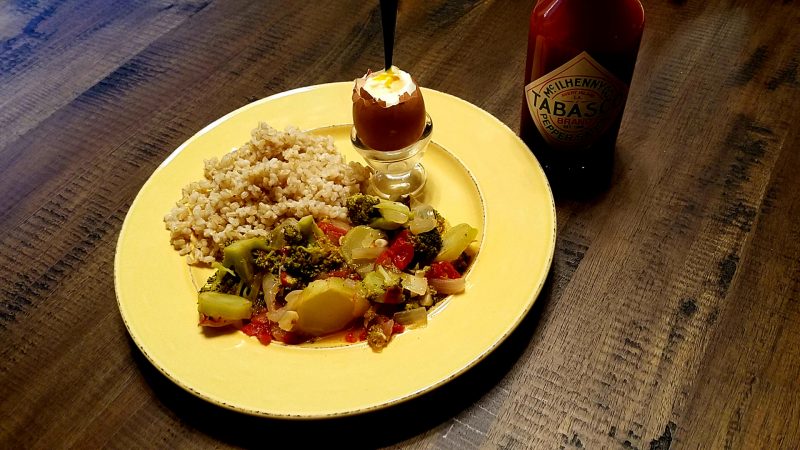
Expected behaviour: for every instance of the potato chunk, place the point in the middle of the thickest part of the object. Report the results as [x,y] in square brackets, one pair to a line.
[327,306]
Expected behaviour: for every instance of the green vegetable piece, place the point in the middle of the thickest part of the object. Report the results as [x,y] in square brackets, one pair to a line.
[311,232]
[268,260]
[393,206]
[392,215]
[384,224]
[239,256]
[374,286]
[312,260]
[290,233]
[455,240]
[394,211]
[426,246]
[360,236]
[377,213]
[223,280]
[224,306]
[383,286]
[361,208]
[390,277]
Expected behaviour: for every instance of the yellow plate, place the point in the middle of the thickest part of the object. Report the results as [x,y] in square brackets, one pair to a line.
[479,172]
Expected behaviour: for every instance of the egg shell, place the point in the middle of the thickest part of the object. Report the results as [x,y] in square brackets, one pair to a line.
[388,128]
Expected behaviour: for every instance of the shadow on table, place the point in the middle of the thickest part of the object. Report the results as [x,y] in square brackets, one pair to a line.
[374,429]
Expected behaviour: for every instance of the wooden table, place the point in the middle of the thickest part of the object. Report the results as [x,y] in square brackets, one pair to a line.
[672,313]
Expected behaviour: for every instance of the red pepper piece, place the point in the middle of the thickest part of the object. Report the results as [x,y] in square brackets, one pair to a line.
[264,336]
[399,254]
[286,279]
[443,269]
[249,329]
[385,258]
[402,250]
[333,232]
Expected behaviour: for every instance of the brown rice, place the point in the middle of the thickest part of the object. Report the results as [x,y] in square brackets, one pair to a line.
[276,175]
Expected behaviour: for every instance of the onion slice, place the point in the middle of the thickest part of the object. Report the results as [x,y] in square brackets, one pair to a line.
[412,318]
[424,219]
[271,286]
[448,286]
[421,225]
[394,211]
[292,298]
[285,319]
[394,216]
[415,285]
[364,269]
[366,254]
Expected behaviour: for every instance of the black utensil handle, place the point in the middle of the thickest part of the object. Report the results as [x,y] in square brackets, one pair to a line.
[388,22]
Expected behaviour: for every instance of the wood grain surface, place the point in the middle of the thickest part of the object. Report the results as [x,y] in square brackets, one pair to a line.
[671,316]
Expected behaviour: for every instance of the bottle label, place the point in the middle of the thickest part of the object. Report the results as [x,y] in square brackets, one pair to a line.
[576,103]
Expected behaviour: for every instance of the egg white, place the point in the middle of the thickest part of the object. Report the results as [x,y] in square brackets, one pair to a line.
[389,85]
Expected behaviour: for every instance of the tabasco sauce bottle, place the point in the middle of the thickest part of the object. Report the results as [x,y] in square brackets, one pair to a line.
[581,55]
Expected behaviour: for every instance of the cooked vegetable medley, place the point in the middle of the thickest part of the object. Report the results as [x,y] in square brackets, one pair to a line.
[370,278]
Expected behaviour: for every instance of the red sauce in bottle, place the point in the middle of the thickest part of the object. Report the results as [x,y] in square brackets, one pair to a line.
[581,56]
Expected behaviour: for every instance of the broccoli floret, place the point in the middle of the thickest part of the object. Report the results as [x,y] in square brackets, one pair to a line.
[383,286]
[374,287]
[310,261]
[269,260]
[333,260]
[288,233]
[298,260]
[224,280]
[239,256]
[292,235]
[361,208]
[296,256]
[440,225]
[426,246]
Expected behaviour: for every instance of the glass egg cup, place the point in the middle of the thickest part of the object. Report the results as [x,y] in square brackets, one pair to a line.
[397,172]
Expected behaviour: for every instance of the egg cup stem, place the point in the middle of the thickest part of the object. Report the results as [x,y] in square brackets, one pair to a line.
[398,172]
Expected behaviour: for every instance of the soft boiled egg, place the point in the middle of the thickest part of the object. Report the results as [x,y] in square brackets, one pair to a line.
[388,110]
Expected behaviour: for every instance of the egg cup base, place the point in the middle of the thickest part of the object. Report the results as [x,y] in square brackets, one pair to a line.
[396,173]
[393,186]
